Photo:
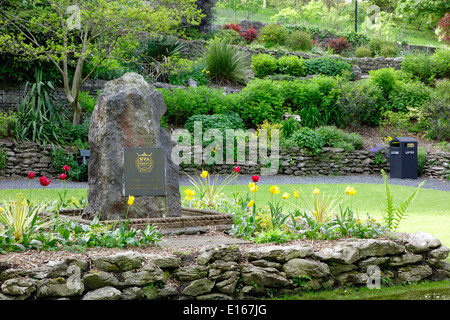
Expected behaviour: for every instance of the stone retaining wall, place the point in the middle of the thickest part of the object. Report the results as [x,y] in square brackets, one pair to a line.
[27,156]
[230,271]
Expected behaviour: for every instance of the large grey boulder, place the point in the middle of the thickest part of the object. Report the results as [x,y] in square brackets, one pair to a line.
[128,114]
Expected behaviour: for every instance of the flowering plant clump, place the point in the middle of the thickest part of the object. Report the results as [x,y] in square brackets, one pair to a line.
[381,153]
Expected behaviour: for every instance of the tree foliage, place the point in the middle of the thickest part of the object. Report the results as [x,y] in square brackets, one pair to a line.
[66,34]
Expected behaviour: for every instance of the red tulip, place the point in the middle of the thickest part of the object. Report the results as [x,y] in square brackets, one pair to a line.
[237,169]
[62,176]
[255,178]
[30,175]
[44,181]
[66,168]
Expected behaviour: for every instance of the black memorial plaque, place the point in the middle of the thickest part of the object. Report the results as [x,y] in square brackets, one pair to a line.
[144,171]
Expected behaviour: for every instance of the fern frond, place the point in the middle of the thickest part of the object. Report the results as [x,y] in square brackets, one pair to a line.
[400,211]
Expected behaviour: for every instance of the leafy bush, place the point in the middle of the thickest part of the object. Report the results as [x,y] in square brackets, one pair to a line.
[261,100]
[226,63]
[304,138]
[326,66]
[7,123]
[337,138]
[86,101]
[384,78]
[195,71]
[420,67]
[356,39]
[291,65]
[388,50]
[3,159]
[229,120]
[299,40]
[233,26]
[363,52]
[77,172]
[249,35]
[360,103]
[437,113]
[339,45]
[263,65]
[228,36]
[421,159]
[441,60]
[184,103]
[273,34]
[406,95]
[379,46]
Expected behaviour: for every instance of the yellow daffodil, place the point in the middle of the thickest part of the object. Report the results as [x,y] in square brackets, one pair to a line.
[316,192]
[350,191]
[189,194]
[296,194]
[251,203]
[204,174]
[254,189]
[315,213]
[358,221]
[285,195]
[274,190]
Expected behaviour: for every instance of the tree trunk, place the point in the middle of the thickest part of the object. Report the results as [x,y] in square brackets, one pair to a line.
[77,111]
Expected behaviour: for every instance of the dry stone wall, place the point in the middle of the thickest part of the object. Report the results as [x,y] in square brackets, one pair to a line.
[27,156]
[230,271]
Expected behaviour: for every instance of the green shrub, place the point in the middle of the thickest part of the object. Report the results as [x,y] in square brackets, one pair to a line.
[420,67]
[360,103]
[379,46]
[326,66]
[304,138]
[441,61]
[184,103]
[273,34]
[337,138]
[228,36]
[77,172]
[356,39]
[384,78]
[195,71]
[388,50]
[299,40]
[261,100]
[229,120]
[86,101]
[225,63]
[290,126]
[3,159]
[7,123]
[363,52]
[264,65]
[408,94]
[291,65]
[421,159]
[437,113]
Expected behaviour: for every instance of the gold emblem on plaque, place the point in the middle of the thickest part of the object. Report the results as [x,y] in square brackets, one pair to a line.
[144,162]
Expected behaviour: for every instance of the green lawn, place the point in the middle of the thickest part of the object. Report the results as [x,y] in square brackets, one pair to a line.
[430,211]
[439,290]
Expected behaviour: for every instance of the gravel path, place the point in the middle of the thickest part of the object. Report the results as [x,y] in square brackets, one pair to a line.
[245,179]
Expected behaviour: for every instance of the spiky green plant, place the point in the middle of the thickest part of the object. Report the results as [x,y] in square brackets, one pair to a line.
[393,215]
[226,64]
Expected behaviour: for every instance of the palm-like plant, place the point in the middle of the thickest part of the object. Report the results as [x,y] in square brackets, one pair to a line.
[209,192]
[226,64]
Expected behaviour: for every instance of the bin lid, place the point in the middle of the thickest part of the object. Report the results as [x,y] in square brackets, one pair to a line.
[404,139]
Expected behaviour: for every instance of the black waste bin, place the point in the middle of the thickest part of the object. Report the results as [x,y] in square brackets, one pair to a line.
[403,158]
